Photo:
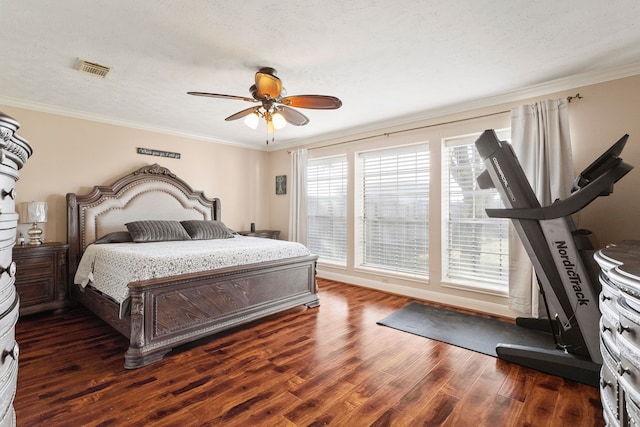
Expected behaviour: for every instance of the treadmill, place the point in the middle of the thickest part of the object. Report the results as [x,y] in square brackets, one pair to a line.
[562,257]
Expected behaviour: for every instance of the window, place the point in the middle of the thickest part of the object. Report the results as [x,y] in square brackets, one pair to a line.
[394,206]
[327,208]
[475,247]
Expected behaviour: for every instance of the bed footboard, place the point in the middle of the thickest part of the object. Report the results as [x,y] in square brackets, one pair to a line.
[168,312]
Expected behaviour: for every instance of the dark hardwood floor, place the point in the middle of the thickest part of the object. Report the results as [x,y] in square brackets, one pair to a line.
[330,365]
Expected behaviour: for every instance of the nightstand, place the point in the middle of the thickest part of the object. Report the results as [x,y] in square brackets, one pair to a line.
[41,276]
[267,234]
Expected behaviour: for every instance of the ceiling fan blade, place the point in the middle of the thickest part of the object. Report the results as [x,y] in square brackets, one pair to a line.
[218,95]
[292,116]
[318,102]
[267,84]
[241,114]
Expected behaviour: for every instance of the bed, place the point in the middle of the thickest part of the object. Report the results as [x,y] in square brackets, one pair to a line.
[161,313]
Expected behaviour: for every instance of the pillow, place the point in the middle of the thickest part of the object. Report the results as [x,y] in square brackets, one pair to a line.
[206,230]
[156,231]
[115,237]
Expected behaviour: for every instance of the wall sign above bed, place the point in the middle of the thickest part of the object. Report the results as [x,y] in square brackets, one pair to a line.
[159,153]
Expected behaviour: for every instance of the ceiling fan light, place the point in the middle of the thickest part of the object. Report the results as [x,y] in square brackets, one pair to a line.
[252,120]
[278,121]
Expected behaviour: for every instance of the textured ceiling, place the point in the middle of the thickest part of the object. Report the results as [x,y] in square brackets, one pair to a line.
[387,61]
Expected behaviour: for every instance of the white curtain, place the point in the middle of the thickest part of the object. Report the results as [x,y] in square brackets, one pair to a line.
[540,138]
[298,198]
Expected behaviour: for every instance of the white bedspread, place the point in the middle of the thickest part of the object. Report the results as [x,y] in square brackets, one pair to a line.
[110,267]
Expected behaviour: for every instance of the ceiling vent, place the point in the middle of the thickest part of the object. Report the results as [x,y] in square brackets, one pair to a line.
[92,68]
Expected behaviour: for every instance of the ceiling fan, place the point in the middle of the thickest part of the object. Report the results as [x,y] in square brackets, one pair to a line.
[275,106]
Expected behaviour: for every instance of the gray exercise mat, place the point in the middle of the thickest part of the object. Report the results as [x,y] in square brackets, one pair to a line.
[475,333]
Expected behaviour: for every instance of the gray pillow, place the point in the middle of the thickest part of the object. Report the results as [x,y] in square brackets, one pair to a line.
[156,231]
[206,230]
[115,237]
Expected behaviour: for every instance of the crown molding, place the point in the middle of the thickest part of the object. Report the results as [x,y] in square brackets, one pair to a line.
[46,108]
[566,83]
[558,85]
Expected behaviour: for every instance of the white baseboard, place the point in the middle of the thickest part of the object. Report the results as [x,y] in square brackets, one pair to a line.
[421,294]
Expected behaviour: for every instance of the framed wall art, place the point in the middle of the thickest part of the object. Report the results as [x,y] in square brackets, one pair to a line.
[281,184]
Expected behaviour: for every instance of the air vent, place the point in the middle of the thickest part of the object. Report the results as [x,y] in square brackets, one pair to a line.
[92,68]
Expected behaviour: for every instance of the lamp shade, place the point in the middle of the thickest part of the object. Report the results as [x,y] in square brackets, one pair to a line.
[34,212]
[252,120]
[278,121]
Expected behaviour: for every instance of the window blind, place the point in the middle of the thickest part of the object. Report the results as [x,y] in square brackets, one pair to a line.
[477,247]
[327,208]
[394,188]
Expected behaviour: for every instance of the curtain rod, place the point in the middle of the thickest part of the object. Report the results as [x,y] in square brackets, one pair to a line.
[576,96]
[364,138]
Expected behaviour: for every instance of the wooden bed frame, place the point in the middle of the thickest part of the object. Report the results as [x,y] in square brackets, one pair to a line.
[168,312]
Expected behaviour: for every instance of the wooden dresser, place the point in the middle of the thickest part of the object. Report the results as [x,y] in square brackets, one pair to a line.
[14,152]
[620,333]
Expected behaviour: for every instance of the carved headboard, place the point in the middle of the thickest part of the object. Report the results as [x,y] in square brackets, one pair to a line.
[151,192]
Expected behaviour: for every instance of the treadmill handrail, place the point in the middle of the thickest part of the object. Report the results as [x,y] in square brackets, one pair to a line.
[572,204]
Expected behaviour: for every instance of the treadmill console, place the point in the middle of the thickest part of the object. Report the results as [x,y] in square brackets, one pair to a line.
[608,160]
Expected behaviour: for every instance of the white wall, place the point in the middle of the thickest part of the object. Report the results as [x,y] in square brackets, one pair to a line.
[73,155]
[605,113]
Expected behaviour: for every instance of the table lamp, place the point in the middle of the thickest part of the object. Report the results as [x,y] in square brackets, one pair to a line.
[34,213]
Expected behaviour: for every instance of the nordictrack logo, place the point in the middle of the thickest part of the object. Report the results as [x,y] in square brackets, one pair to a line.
[571,272]
[503,178]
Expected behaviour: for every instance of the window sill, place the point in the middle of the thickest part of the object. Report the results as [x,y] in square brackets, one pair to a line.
[481,288]
[391,274]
